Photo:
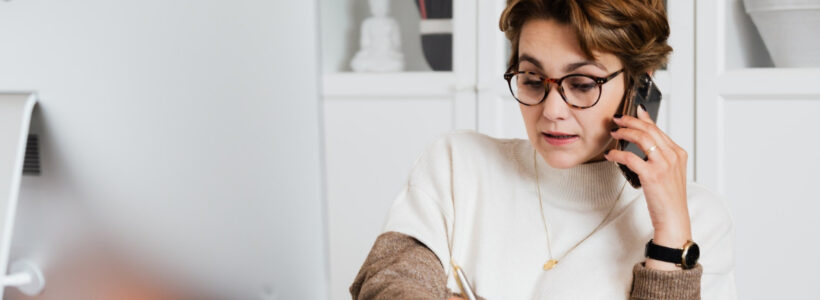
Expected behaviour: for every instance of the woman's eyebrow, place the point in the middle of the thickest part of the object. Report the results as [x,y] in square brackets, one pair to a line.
[571,67]
[530,59]
[568,68]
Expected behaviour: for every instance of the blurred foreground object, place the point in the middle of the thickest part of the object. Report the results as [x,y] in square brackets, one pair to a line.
[15,119]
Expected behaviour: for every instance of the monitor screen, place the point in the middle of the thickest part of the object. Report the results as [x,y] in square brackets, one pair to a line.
[179,145]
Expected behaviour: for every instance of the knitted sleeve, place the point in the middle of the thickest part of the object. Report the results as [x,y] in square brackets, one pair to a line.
[400,267]
[659,284]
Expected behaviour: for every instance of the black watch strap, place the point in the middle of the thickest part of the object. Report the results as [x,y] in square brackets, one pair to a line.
[672,255]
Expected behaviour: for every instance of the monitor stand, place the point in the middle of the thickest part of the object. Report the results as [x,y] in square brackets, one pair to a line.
[15,117]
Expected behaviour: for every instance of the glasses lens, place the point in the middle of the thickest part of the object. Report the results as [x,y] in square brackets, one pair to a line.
[527,88]
[581,91]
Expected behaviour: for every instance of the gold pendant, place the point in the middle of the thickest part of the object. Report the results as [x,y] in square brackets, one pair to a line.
[550,264]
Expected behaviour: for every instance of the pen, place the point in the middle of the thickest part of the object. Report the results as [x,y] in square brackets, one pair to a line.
[463,284]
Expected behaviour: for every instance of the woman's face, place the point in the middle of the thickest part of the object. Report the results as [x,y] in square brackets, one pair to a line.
[552,50]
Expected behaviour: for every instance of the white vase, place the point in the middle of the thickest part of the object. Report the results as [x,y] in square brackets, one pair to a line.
[790,29]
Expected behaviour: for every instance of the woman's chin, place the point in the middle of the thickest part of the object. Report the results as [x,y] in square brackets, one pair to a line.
[562,159]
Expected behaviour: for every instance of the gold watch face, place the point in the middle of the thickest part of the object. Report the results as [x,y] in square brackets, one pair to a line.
[691,253]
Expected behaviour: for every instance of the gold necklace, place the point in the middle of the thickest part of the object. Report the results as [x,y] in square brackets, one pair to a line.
[552,262]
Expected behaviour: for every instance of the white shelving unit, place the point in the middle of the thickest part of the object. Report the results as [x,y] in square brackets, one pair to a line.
[756,141]
[376,124]
[341,86]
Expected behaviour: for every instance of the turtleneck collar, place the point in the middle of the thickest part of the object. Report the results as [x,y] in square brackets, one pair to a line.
[589,186]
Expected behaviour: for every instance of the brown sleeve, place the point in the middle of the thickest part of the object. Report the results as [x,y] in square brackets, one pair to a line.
[400,267]
[652,284]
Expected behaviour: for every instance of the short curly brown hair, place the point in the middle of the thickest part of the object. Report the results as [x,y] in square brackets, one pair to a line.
[636,31]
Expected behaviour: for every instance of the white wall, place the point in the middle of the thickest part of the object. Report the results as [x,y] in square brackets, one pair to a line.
[187,132]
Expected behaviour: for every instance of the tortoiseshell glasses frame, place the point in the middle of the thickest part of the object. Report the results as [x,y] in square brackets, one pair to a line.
[598,81]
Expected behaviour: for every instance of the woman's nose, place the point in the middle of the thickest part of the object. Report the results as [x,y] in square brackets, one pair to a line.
[555,108]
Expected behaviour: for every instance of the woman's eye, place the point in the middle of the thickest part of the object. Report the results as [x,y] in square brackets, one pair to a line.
[533,83]
[582,87]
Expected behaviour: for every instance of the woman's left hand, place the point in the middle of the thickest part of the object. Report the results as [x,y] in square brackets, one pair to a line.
[663,178]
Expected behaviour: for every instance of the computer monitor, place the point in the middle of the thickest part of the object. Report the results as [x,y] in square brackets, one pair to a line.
[180,142]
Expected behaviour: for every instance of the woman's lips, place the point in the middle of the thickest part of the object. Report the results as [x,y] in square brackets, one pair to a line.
[559,138]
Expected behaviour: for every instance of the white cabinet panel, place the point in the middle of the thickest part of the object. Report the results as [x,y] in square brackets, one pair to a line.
[371,145]
[756,139]
[770,177]
[377,124]
[510,111]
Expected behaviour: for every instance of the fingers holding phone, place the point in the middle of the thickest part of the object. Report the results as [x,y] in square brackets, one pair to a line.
[643,132]
[662,174]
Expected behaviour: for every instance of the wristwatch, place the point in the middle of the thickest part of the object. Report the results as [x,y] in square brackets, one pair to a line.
[685,258]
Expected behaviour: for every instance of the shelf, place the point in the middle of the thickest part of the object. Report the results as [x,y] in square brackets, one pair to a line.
[783,82]
[340,27]
[402,84]
[744,48]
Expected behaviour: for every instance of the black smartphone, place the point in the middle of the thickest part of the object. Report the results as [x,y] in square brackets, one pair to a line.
[647,93]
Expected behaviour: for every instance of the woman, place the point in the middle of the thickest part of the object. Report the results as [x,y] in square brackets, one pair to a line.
[552,217]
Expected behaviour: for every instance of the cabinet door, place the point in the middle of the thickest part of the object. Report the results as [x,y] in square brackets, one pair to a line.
[377,124]
[757,145]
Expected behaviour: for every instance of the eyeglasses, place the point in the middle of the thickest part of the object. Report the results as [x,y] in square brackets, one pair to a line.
[578,90]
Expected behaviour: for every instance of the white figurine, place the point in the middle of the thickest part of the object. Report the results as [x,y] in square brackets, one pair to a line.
[380,42]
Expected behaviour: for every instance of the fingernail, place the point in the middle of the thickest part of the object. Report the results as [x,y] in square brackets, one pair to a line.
[614,129]
[618,116]
[642,107]
[607,151]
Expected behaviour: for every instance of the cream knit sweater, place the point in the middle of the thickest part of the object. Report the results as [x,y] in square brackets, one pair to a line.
[474,198]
